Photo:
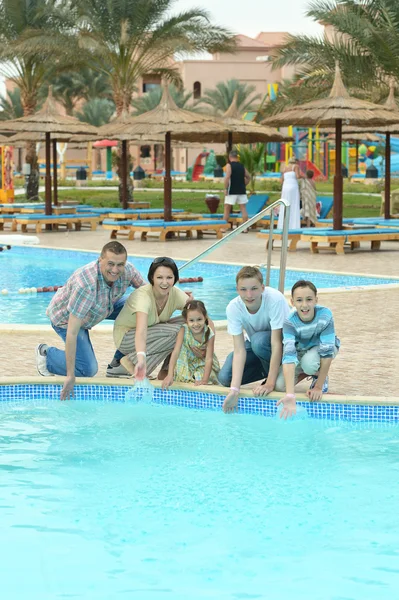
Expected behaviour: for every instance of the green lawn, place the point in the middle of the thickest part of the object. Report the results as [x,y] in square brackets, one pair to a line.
[260,185]
[354,206]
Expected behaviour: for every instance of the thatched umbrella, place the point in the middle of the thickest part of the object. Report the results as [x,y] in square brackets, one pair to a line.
[109,131]
[79,141]
[246,132]
[388,130]
[338,108]
[169,121]
[51,122]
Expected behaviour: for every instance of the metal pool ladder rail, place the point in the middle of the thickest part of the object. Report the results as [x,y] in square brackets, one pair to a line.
[251,221]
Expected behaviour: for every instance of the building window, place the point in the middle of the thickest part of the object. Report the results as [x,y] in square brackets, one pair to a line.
[197,90]
[145,151]
[147,87]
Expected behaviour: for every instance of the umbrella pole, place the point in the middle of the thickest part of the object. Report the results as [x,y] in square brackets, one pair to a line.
[124,174]
[338,180]
[48,177]
[229,142]
[167,182]
[55,174]
[357,156]
[387,209]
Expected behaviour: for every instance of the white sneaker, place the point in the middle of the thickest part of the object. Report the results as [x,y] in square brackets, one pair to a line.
[41,361]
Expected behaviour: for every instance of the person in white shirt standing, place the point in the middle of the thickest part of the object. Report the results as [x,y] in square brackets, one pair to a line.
[260,312]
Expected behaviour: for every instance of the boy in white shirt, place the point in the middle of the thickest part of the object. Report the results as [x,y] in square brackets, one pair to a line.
[259,311]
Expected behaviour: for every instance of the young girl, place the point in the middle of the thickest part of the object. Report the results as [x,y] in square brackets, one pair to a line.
[193,359]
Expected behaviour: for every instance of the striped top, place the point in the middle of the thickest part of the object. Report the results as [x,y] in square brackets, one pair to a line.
[88,297]
[299,335]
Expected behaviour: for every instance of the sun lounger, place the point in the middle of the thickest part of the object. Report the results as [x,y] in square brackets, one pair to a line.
[325,223]
[337,239]
[7,218]
[294,235]
[142,213]
[212,216]
[164,227]
[326,204]
[255,204]
[141,204]
[384,223]
[55,220]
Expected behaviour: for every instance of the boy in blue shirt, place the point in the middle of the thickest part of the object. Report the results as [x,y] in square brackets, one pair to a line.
[310,344]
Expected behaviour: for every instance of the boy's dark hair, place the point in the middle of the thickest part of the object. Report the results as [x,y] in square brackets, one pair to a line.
[163,261]
[249,272]
[302,283]
[309,174]
[200,306]
[114,247]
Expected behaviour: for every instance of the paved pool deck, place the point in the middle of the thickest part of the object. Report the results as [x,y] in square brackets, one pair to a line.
[367,320]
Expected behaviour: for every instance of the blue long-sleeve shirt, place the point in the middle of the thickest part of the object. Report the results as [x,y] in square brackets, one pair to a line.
[300,335]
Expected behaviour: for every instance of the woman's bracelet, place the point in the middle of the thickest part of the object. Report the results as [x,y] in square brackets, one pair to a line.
[142,353]
[290,396]
[234,389]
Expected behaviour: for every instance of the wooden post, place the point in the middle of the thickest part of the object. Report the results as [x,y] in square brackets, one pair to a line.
[124,174]
[167,182]
[48,176]
[338,180]
[229,141]
[357,156]
[387,207]
[55,174]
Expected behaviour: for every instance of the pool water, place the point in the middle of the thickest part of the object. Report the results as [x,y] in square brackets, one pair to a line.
[23,267]
[104,501]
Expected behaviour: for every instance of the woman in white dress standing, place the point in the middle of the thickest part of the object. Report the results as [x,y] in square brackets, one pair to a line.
[290,192]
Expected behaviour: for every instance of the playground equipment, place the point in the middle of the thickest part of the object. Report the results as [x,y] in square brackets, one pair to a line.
[6,174]
[194,172]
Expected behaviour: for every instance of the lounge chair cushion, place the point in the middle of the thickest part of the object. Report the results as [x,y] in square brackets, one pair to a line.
[161,223]
[347,232]
[30,217]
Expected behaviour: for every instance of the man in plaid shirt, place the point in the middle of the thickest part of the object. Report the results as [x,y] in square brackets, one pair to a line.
[92,293]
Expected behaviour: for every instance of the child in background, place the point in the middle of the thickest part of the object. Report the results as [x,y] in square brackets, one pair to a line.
[308,199]
[310,344]
[193,359]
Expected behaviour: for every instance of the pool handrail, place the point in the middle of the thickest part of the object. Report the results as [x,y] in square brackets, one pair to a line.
[284,242]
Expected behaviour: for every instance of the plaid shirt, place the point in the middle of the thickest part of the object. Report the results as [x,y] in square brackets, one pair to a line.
[87,295]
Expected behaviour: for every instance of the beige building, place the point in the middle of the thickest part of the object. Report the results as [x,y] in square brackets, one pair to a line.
[251,64]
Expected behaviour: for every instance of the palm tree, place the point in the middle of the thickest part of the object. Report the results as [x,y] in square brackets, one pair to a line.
[151,99]
[71,87]
[97,112]
[252,159]
[11,106]
[26,66]
[290,93]
[131,39]
[366,44]
[221,97]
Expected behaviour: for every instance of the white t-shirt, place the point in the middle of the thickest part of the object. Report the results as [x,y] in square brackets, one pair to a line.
[271,314]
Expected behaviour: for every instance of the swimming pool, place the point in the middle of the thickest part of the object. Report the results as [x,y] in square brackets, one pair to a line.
[107,500]
[23,267]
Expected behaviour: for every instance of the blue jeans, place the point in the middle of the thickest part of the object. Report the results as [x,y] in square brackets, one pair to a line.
[85,362]
[257,362]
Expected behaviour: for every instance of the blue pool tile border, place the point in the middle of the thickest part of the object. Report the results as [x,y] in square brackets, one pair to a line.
[354,413]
